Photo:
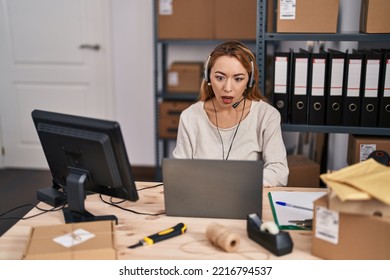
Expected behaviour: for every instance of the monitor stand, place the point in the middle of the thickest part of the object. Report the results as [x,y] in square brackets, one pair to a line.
[75,192]
[79,217]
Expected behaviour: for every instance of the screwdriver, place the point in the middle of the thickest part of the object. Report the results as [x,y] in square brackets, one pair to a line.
[180,228]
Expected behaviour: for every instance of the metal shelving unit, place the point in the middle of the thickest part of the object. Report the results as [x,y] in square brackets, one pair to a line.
[264,38]
[161,48]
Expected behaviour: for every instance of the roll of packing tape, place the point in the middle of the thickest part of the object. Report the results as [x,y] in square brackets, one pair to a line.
[270,227]
[220,237]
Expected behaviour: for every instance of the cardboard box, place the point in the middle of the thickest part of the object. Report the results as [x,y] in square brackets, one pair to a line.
[308,16]
[374,16]
[339,236]
[185,19]
[99,243]
[361,207]
[235,19]
[169,117]
[303,172]
[185,77]
[360,147]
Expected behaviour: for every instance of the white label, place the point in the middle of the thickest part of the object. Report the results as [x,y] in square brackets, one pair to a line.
[281,64]
[173,79]
[327,225]
[336,87]
[318,79]
[366,150]
[165,8]
[74,238]
[287,9]
[372,78]
[386,92]
[300,86]
[354,71]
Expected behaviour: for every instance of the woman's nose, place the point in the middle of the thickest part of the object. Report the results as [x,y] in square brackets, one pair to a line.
[228,86]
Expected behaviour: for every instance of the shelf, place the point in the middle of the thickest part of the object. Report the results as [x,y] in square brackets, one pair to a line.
[327,37]
[265,38]
[380,131]
[191,42]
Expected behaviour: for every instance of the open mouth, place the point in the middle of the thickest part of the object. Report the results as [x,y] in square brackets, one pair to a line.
[227,99]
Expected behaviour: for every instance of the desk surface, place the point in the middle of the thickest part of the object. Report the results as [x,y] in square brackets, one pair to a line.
[133,227]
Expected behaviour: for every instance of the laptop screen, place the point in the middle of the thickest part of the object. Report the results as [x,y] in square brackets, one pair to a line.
[229,189]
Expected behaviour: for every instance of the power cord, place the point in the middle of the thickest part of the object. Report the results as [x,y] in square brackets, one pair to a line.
[60,207]
[116,204]
[29,217]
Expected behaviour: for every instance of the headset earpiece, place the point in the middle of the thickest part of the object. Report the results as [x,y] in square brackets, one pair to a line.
[251,79]
[206,71]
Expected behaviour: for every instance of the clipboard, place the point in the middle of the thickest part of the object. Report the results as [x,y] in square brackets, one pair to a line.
[283,214]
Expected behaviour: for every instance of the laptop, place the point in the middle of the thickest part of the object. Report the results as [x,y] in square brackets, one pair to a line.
[205,188]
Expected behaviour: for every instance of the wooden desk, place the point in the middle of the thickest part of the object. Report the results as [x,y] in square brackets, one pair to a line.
[133,227]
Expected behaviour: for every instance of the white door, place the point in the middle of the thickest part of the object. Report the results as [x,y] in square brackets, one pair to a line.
[54,55]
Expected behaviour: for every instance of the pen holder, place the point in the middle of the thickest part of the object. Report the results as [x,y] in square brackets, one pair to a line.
[279,244]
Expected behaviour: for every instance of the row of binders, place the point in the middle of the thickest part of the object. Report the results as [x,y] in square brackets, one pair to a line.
[333,87]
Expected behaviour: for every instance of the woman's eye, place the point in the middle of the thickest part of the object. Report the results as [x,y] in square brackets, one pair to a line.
[239,79]
[219,78]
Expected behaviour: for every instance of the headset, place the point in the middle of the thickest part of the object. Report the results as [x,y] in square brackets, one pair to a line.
[207,78]
[380,156]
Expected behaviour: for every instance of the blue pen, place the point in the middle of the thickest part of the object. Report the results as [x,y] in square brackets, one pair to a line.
[291,205]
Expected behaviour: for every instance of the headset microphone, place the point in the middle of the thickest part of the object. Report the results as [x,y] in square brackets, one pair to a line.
[237,103]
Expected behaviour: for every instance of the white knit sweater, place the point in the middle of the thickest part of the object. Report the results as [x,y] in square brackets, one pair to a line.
[259,136]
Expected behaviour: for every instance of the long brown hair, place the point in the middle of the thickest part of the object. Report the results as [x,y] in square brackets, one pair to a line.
[245,56]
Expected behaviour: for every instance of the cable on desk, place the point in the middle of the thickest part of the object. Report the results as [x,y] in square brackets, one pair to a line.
[63,205]
[151,187]
[145,188]
[129,210]
[29,217]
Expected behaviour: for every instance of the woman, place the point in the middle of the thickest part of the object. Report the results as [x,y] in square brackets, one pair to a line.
[232,120]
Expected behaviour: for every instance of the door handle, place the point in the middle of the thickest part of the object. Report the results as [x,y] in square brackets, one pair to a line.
[90,47]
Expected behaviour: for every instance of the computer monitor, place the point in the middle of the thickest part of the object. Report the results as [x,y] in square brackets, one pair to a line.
[85,155]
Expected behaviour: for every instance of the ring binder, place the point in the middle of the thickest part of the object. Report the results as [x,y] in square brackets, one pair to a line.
[282,92]
[352,89]
[299,87]
[334,87]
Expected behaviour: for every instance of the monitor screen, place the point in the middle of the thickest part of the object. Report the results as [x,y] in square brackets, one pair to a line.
[85,155]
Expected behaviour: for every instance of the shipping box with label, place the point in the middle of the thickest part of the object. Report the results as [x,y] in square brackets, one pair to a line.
[340,236]
[361,146]
[307,16]
[74,241]
[185,77]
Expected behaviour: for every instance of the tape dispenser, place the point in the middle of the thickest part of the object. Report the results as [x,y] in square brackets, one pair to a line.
[267,234]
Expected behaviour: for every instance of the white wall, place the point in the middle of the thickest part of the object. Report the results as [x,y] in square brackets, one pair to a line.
[132,39]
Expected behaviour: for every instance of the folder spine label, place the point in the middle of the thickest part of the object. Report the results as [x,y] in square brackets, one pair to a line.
[300,86]
[280,84]
[336,87]
[386,91]
[317,88]
[354,72]
[372,78]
